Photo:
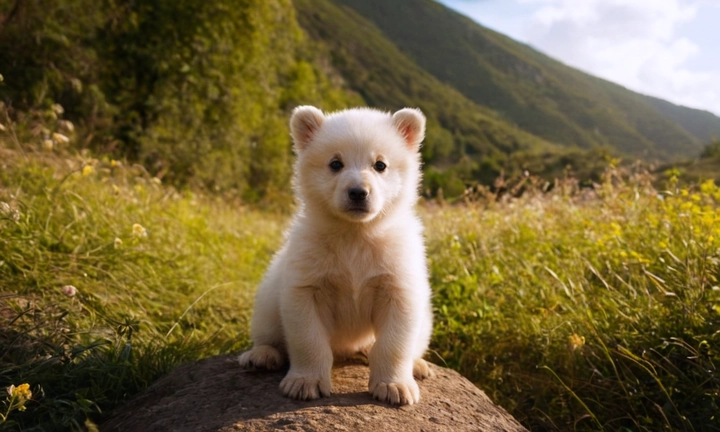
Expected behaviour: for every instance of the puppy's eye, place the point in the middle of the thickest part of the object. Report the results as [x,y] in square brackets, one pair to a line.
[379,166]
[336,165]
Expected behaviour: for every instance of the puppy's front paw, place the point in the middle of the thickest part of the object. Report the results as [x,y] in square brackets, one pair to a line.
[305,387]
[261,357]
[397,393]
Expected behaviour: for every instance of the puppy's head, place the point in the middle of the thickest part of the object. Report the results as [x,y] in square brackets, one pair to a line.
[359,163]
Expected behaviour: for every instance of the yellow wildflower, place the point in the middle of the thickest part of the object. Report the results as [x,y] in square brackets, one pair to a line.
[576,341]
[639,257]
[19,395]
[117,243]
[708,187]
[87,170]
[139,231]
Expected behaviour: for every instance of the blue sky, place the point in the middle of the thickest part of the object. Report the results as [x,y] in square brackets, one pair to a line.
[664,48]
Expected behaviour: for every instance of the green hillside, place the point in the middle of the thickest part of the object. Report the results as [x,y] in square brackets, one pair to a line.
[539,94]
[703,125]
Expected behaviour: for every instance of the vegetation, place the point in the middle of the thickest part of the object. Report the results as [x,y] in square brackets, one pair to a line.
[110,279]
[585,309]
[704,125]
[197,91]
[712,151]
[574,308]
[696,171]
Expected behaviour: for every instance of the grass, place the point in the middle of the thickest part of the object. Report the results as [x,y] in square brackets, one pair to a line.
[574,309]
[161,278]
[586,310]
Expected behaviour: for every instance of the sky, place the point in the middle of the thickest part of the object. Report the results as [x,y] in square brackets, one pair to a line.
[664,48]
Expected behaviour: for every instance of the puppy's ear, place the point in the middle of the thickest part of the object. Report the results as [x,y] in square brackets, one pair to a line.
[304,124]
[410,122]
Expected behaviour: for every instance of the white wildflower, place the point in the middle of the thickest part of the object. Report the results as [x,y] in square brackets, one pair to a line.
[66,125]
[69,290]
[57,109]
[60,138]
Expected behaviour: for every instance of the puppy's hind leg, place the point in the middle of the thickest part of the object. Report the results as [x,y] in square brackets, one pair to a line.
[262,357]
[266,332]
[421,370]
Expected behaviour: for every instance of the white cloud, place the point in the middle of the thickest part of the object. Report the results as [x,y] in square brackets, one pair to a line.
[632,42]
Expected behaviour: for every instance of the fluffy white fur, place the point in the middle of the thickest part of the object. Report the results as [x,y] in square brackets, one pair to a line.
[352,274]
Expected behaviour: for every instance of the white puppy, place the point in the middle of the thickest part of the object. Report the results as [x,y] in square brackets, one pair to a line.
[352,275]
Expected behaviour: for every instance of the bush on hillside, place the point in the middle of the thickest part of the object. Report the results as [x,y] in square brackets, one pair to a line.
[712,151]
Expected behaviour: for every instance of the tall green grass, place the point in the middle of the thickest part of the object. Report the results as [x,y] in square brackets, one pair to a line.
[574,309]
[160,277]
[581,310]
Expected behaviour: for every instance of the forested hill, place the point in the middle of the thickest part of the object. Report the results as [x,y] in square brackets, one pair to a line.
[200,92]
[538,93]
[703,125]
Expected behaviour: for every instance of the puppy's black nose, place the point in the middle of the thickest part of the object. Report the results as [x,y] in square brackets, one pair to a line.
[357,194]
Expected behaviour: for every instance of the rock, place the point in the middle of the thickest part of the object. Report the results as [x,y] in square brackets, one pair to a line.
[216,395]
